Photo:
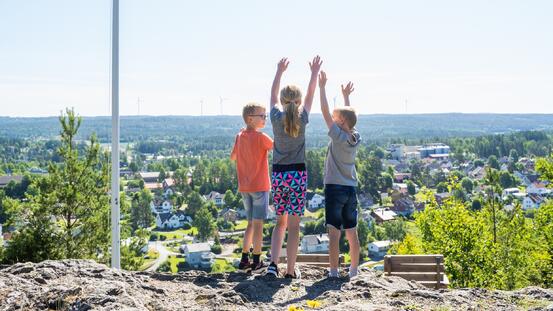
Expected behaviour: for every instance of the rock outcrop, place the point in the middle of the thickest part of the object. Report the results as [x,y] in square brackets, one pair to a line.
[86,285]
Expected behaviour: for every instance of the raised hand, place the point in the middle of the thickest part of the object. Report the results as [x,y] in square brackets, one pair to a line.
[315,65]
[322,79]
[346,91]
[282,65]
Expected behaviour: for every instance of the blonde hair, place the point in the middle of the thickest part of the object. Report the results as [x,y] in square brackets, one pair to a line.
[249,109]
[349,115]
[290,98]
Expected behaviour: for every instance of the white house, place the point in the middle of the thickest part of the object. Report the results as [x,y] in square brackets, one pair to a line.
[198,255]
[215,197]
[537,188]
[314,201]
[315,243]
[381,215]
[168,187]
[401,187]
[510,191]
[172,220]
[164,207]
[532,201]
[379,248]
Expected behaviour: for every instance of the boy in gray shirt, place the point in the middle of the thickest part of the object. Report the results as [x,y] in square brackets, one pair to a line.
[340,177]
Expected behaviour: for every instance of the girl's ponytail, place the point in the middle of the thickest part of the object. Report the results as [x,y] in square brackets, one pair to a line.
[290,98]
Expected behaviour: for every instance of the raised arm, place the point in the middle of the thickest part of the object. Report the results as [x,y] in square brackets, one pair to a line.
[346,91]
[315,66]
[324,102]
[281,67]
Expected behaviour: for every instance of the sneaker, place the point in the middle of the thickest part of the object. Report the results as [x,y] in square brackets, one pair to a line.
[272,269]
[297,274]
[259,267]
[244,266]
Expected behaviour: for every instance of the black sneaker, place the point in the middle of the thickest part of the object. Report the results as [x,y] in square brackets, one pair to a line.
[272,269]
[244,266]
[259,267]
[297,274]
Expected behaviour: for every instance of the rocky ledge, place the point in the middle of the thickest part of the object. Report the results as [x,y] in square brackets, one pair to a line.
[87,285]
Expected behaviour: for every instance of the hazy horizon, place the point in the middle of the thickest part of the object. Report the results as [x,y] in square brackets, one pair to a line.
[404,58]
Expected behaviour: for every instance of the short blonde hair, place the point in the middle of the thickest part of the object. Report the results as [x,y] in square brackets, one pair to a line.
[290,98]
[249,109]
[349,115]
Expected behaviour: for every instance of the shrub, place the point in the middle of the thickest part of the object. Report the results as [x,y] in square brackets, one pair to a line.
[217,249]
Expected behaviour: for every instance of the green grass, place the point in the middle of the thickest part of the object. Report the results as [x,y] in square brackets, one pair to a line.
[241,225]
[174,261]
[177,234]
[221,265]
[528,303]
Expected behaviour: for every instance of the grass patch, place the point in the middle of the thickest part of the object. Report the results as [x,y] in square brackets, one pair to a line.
[177,234]
[221,265]
[173,262]
[241,225]
[147,264]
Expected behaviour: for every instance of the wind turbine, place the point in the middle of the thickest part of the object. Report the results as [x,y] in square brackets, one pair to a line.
[221,100]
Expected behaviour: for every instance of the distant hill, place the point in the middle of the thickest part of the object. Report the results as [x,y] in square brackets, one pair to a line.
[376,128]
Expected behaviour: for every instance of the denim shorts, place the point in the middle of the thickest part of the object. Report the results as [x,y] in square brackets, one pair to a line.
[256,204]
[341,206]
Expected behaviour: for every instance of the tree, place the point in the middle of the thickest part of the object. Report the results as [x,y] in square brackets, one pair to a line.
[492,181]
[203,220]
[229,199]
[195,202]
[411,189]
[513,155]
[467,184]
[493,162]
[506,180]
[133,167]
[395,229]
[68,214]
[141,214]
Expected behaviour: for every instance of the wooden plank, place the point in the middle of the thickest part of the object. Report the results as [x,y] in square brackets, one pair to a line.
[432,284]
[414,258]
[312,258]
[414,276]
[408,267]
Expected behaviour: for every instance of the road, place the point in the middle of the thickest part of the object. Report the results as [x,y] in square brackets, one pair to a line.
[164,253]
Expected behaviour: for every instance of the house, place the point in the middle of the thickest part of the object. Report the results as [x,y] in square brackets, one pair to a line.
[537,188]
[215,197]
[401,187]
[230,215]
[510,191]
[168,187]
[401,177]
[149,177]
[172,220]
[379,248]
[314,201]
[315,243]
[5,180]
[529,179]
[152,186]
[477,173]
[441,197]
[404,206]
[198,255]
[157,206]
[532,201]
[381,215]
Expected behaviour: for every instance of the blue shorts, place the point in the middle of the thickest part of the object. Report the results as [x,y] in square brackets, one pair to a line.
[341,206]
[256,204]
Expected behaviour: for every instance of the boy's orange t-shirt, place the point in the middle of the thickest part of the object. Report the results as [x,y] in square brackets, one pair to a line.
[251,150]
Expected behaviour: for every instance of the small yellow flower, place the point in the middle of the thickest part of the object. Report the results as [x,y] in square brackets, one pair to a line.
[294,308]
[313,304]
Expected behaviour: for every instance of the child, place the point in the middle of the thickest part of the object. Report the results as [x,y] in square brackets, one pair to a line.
[289,177]
[250,152]
[340,177]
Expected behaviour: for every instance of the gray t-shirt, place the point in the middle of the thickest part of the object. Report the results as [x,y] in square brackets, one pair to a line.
[340,158]
[288,149]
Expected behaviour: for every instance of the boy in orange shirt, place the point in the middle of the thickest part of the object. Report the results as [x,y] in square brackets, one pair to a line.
[251,150]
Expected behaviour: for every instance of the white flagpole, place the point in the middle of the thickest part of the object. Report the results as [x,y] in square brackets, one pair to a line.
[115,229]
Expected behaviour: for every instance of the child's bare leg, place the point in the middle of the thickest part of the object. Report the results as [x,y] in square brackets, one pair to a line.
[278,237]
[247,238]
[257,235]
[333,247]
[292,242]
[353,240]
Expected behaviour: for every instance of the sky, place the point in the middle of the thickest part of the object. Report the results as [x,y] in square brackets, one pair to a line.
[403,56]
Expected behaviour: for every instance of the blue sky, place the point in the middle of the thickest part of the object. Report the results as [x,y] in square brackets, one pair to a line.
[438,56]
